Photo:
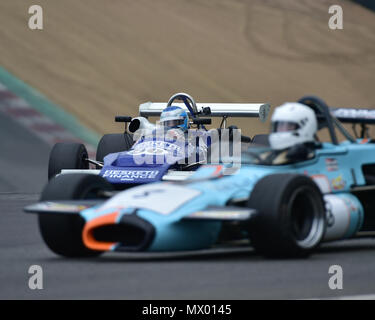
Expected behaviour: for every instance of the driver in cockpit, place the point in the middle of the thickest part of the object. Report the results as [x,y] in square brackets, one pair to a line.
[174,117]
[293,134]
[175,123]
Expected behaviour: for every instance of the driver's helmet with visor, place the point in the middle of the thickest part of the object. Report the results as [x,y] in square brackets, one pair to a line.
[292,123]
[174,117]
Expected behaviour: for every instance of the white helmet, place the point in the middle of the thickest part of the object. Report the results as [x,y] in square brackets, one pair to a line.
[292,123]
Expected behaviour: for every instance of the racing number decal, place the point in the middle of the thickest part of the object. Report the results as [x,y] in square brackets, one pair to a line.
[147,193]
[160,198]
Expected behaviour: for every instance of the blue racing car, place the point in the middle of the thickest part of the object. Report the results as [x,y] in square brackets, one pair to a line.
[283,199]
[172,149]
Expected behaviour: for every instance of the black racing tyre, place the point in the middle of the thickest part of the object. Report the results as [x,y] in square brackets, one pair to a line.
[67,155]
[370,179]
[114,142]
[291,220]
[63,233]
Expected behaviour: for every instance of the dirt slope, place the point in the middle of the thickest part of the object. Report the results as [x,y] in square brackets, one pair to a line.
[99,58]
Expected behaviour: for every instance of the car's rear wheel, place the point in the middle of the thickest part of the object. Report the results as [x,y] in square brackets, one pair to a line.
[291,220]
[67,155]
[62,233]
[114,142]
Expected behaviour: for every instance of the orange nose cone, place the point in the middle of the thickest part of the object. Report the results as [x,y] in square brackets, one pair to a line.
[88,234]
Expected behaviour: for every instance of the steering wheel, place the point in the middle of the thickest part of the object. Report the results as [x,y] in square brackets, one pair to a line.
[187,100]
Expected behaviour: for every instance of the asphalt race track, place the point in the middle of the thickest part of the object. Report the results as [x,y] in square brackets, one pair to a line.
[221,274]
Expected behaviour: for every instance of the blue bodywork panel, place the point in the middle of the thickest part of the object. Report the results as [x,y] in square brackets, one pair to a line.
[148,160]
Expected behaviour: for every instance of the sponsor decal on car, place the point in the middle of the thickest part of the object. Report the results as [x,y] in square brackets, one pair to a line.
[331,164]
[64,207]
[130,175]
[156,147]
[338,183]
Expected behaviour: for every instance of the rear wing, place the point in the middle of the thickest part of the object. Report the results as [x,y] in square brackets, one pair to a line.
[226,110]
[351,115]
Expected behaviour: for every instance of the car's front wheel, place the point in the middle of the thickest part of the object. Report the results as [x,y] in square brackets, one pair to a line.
[62,233]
